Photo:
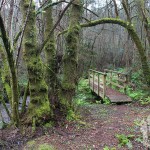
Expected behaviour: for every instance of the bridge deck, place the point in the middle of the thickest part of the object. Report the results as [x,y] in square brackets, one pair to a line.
[113,95]
[116,97]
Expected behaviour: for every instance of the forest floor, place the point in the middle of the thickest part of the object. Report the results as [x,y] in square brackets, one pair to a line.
[98,129]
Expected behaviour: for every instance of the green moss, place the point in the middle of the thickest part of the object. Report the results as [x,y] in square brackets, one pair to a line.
[43,110]
[49,124]
[45,147]
[71,115]
[31,143]
[5,75]
[68,86]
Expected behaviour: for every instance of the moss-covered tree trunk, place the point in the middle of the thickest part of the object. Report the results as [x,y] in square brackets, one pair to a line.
[1,85]
[144,17]
[13,74]
[70,59]
[50,52]
[5,75]
[0,76]
[38,109]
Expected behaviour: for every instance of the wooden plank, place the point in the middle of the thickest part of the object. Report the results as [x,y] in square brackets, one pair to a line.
[102,73]
[117,97]
[106,70]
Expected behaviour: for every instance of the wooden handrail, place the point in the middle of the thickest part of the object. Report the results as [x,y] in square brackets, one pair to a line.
[102,73]
[97,82]
[106,70]
[119,81]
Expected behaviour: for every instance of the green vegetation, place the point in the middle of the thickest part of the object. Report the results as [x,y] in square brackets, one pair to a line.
[136,87]
[106,101]
[108,148]
[83,94]
[138,90]
[32,145]
[125,140]
[45,147]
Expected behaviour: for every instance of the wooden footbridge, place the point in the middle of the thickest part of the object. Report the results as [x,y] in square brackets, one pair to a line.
[102,84]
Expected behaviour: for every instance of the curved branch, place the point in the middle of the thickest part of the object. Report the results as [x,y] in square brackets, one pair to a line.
[102,21]
[107,20]
[134,36]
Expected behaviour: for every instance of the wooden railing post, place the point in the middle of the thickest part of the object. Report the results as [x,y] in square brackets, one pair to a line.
[89,78]
[125,84]
[118,75]
[98,83]
[104,85]
[110,78]
[93,80]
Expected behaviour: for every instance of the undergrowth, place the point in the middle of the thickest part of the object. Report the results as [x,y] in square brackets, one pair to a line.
[125,140]
[137,88]
[83,94]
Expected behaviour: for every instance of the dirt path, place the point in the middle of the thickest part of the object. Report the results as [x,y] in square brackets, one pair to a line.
[103,122]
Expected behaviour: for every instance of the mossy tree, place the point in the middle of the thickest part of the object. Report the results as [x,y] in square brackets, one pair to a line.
[0,76]
[144,17]
[14,82]
[70,58]
[3,82]
[51,68]
[38,109]
[5,75]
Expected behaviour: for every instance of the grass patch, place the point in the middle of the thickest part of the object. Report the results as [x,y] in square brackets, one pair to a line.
[125,140]
[84,95]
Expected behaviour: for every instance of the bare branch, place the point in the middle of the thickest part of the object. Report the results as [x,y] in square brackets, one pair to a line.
[58,21]
[22,34]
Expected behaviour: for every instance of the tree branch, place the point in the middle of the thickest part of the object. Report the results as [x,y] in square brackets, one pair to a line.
[58,21]
[22,34]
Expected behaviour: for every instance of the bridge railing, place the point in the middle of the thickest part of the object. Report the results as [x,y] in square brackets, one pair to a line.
[97,82]
[117,79]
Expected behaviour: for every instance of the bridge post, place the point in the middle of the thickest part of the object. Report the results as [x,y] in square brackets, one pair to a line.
[104,85]
[93,80]
[89,78]
[125,84]
[98,84]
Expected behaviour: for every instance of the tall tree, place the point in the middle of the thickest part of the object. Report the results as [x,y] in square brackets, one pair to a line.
[70,59]
[50,52]
[13,74]
[38,108]
[144,17]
